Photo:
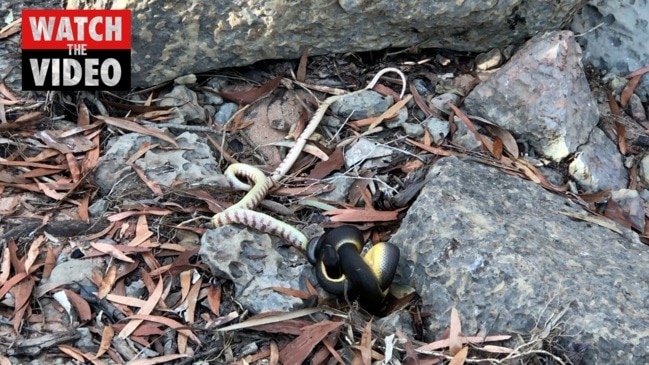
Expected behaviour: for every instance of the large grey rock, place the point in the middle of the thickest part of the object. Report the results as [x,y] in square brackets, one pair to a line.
[541,95]
[174,38]
[499,249]
[615,35]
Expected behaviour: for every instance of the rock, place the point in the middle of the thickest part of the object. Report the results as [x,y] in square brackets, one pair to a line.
[367,153]
[186,101]
[412,130]
[98,208]
[193,163]
[185,80]
[637,109]
[498,249]
[541,95]
[72,272]
[255,264]
[620,25]
[362,105]
[421,86]
[225,113]
[644,170]
[341,183]
[437,128]
[598,165]
[630,201]
[489,60]
[464,137]
[440,102]
[173,39]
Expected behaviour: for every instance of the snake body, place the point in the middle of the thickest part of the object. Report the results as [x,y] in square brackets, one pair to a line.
[340,268]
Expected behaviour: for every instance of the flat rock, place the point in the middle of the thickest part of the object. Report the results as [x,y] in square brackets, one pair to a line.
[499,249]
[541,95]
[255,263]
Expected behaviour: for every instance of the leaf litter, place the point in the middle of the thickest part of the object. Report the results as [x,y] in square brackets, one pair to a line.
[179,300]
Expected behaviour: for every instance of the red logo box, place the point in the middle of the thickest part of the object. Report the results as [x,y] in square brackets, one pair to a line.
[76,49]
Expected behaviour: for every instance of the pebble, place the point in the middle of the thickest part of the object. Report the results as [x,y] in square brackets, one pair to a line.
[489,60]
[225,112]
[440,102]
[637,109]
[437,128]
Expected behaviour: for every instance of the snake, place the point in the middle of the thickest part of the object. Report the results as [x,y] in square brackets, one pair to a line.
[336,255]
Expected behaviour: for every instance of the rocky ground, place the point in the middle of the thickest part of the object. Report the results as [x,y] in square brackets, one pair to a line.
[513,182]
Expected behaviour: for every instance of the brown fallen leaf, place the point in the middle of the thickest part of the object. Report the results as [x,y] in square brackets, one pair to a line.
[169,323]
[629,89]
[300,75]
[460,357]
[366,344]
[292,292]
[455,332]
[214,298]
[441,344]
[249,96]
[134,127]
[351,215]
[110,250]
[80,305]
[615,212]
[299,349]
[150,305]
[107,282]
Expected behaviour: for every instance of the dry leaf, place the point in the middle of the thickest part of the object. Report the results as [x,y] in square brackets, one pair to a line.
[460,357]
[34,251]
[299,349]
[300,75]
[134,127]
[79,304]
[352,215]
[455,332]
[107,282]
[167,322]
[249,96]
[214,298]
[111,250]
[144,310]
[366,344]
[629,89]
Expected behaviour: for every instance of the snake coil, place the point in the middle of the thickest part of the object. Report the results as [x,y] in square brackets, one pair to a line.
[342,271]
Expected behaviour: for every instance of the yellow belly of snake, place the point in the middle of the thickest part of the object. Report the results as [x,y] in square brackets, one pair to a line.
[336,255]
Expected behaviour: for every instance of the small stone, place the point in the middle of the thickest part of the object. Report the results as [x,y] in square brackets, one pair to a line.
[421,87]
[637,109]
[598,164]
[630,201]
[341,184]
[226,111]
[368,153]
[464,137]
[360,106]
[212,99]
[644,170]
[489,60]
[185,80]
[440,102]
[615,82]
[437,128]
[98,208]
[186,101]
